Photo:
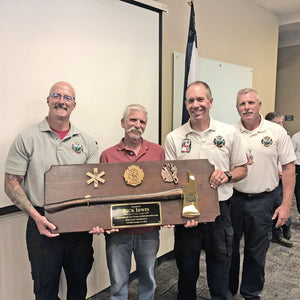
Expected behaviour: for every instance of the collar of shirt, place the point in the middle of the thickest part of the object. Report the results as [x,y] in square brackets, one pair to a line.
[260,128]
[44,126]
[122,147]
[188,129]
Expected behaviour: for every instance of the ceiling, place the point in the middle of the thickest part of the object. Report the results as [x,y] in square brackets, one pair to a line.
[288,11]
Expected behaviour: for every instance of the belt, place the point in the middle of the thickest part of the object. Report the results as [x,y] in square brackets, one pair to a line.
[253,195]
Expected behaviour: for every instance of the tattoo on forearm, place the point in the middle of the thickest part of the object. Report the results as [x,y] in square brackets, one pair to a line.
[15,191]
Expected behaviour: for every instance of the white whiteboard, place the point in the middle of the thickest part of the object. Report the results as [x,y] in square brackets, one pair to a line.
[109,50]
[224,80]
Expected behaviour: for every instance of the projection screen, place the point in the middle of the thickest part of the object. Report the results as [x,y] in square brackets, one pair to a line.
[109,50]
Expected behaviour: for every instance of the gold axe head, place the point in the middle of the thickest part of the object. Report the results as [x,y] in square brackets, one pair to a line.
[190,198]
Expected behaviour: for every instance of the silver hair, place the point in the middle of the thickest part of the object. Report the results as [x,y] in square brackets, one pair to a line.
[131,107]
[246,91]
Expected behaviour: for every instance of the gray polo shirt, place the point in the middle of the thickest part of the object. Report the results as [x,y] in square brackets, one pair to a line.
[36,149]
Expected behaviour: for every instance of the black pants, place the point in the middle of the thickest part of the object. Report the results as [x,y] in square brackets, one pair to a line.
[71,251]
[252,218]
[277,232]
[216,239]
[297,187]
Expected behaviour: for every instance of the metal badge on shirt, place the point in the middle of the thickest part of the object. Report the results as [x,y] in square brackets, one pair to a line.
[186,146]
[250,158]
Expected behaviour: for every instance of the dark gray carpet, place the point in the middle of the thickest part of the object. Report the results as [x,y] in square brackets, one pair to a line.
[282,273]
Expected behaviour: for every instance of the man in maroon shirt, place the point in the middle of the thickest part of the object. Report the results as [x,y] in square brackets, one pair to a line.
[142,241]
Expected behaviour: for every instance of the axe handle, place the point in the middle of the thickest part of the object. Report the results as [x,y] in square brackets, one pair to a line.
[159,196]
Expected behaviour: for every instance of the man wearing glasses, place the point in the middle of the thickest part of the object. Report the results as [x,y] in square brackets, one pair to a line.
[54,141]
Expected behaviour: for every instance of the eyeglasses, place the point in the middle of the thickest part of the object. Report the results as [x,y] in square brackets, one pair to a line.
[58,97]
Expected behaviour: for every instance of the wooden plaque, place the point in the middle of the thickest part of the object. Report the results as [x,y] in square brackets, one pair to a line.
[111,183]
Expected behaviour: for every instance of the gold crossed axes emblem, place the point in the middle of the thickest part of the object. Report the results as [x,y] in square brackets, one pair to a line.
[95,177]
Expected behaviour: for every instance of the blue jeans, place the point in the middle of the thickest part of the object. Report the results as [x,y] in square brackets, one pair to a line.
[71,251]
[119,248]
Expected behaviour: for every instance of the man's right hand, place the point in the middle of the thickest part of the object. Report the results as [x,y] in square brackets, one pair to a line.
[98,230]
[45,227]
[191,223]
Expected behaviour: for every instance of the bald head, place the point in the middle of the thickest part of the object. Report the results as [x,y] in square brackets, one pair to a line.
[60,85]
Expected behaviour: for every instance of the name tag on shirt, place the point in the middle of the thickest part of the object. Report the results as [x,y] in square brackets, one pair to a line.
[186,146]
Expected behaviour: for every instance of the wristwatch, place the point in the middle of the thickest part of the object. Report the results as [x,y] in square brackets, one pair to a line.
[229,176]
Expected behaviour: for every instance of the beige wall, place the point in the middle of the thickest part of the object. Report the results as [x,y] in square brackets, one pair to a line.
[233,31]
[288,86]
[16,282]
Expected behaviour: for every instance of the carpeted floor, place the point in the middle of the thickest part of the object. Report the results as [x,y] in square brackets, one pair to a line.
[282,273]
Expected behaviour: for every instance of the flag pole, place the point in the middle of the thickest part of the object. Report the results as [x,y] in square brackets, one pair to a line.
[191,60]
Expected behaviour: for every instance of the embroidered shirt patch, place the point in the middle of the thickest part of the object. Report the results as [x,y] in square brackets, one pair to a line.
[267,141]
[77,148]
[219,141]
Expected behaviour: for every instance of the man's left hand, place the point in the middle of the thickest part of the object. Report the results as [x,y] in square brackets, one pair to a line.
[217,178]
[282,213]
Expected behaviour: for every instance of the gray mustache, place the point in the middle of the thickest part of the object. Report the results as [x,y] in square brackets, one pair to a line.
[135,129]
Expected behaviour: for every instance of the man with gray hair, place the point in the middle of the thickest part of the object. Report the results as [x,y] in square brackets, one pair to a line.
[252,203]
[280,235]
[143,242]
[275,117]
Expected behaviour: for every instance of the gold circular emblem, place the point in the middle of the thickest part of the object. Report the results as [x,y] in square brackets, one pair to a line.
[134,175]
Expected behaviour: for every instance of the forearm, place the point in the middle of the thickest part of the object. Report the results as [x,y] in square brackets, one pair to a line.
[288,184]
[14,190]
[239,173]
[219,177]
